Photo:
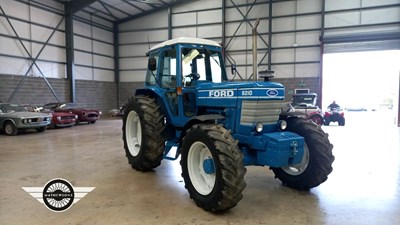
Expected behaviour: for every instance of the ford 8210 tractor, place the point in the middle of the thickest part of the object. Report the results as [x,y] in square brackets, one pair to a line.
[189,109]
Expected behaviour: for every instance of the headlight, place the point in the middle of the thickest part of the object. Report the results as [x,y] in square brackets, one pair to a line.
[76,117]
[259,127]
[58,117]
[282,124]
[29,120]
[24,121]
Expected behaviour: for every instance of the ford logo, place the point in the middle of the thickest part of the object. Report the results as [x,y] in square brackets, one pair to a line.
[272,92]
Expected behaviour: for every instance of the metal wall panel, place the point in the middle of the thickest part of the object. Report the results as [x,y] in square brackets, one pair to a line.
[51,70]
[284,71]
[50,53]
[133,76]
[16,9]
[103,75]
[83,73]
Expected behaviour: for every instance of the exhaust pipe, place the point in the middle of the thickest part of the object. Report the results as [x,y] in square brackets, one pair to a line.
[254,34]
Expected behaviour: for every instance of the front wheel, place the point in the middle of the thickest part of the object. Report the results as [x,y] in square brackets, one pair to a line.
[212,167]
[143,128]
[41,129]
[317,159]
[10,129]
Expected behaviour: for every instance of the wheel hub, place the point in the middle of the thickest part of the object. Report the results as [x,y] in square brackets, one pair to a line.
[201,168]
[208,166]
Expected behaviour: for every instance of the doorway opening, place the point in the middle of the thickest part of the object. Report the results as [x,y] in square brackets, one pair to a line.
[365,84]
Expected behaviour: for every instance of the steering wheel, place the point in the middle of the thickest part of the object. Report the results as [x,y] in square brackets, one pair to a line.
[193,76]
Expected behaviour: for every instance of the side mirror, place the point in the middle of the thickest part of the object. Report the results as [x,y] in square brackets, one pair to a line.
[233,68]
[152,64]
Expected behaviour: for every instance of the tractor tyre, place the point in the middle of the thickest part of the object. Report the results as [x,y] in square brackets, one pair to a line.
[212,167]
[143,127]
[10,129]
[317,160]
[318,119]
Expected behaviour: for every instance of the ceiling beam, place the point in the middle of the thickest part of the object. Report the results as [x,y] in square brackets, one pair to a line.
[76,6]
[157,9]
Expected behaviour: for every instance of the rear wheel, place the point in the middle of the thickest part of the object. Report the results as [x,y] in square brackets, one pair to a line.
[317,160]
[342,121]
[10,129]
[212,167]
[143,128]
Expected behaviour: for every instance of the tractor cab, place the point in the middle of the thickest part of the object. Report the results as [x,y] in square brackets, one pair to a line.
[175,70]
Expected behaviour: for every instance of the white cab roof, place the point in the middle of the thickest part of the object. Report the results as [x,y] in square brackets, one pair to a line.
[186,40]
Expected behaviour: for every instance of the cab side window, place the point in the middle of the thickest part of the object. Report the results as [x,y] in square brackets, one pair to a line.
[167,74]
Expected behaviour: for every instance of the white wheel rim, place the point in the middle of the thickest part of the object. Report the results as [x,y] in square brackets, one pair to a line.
[203,182]
[298,169]
[133,132]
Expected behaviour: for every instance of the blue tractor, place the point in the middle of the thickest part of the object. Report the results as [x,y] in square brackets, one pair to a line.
[189,109]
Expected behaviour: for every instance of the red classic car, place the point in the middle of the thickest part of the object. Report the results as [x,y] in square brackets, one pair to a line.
[84,115]
[59,119]
[62,119]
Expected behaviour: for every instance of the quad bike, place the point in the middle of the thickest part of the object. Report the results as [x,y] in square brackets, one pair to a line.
[334,115]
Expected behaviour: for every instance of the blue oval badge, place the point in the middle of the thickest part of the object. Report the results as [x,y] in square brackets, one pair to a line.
[272,92]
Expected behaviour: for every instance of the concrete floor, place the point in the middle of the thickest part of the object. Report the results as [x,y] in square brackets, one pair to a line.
[364,187]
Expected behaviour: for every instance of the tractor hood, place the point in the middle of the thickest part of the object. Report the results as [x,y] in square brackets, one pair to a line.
[227,94]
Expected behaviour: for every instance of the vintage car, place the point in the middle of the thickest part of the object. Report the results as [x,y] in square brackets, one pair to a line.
[307,103]
[84,115]
[61,119]
[14,117]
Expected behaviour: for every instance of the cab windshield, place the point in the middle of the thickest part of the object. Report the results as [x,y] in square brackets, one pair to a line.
[204,64]
[195,64]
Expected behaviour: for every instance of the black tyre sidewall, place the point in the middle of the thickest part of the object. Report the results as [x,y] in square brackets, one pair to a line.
[152,124]
[320,156]
[134,160]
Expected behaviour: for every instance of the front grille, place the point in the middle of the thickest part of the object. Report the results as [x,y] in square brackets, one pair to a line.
[263,111]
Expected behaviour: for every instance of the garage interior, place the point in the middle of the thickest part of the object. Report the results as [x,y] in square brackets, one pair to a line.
[93,53]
